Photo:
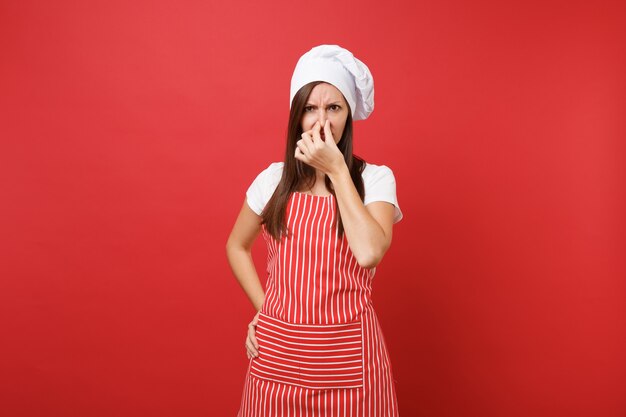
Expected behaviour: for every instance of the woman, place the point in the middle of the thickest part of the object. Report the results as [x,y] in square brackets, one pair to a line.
[315,345]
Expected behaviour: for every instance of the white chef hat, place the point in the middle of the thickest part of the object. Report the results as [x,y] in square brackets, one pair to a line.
[337,66]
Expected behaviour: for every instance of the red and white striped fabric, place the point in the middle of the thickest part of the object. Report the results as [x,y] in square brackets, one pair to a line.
[321,348]
[312,356]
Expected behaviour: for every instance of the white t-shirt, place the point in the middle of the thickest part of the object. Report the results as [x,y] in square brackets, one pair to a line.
[378,181]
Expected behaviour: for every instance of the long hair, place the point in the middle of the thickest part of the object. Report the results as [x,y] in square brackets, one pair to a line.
[297,173]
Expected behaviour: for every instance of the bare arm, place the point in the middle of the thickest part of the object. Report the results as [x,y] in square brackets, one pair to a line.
[239,254]
[368,228]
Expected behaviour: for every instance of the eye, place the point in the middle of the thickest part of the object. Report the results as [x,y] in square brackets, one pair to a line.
[335,107]
[308,108]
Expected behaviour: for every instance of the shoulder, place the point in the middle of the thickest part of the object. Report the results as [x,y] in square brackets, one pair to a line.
[373,172]
[380,185]
[271,173]
[274,169]
[263,186]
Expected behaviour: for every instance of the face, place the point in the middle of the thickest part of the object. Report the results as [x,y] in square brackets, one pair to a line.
[326,102]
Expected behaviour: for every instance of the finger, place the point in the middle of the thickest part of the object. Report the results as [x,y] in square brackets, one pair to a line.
[251,348]
[316,132]
[252,335]
[305,146]
[307,137]
[252,343]
[328,133]
[298,154]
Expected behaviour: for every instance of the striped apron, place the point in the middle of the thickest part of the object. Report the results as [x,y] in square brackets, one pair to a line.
[321,348]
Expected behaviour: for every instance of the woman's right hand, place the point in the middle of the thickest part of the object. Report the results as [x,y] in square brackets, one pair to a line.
[252,345]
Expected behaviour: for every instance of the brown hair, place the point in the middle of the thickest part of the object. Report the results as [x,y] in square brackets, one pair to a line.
[297,173]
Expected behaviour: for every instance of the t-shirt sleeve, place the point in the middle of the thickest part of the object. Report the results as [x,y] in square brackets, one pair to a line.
[263,186]
[380,185]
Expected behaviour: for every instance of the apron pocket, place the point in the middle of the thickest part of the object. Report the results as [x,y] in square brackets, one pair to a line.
[325,356]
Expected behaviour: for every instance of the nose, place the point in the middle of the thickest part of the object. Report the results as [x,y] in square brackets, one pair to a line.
[322,117]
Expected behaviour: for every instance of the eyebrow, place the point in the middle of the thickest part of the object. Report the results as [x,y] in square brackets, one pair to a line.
[330,104]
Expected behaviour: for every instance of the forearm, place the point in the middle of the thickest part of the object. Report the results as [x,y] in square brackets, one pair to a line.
[242,265]
[365,236]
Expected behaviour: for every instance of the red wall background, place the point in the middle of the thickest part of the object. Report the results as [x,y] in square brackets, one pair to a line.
[131,130]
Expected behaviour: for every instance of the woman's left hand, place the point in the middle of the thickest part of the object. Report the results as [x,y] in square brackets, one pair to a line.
[320,154]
